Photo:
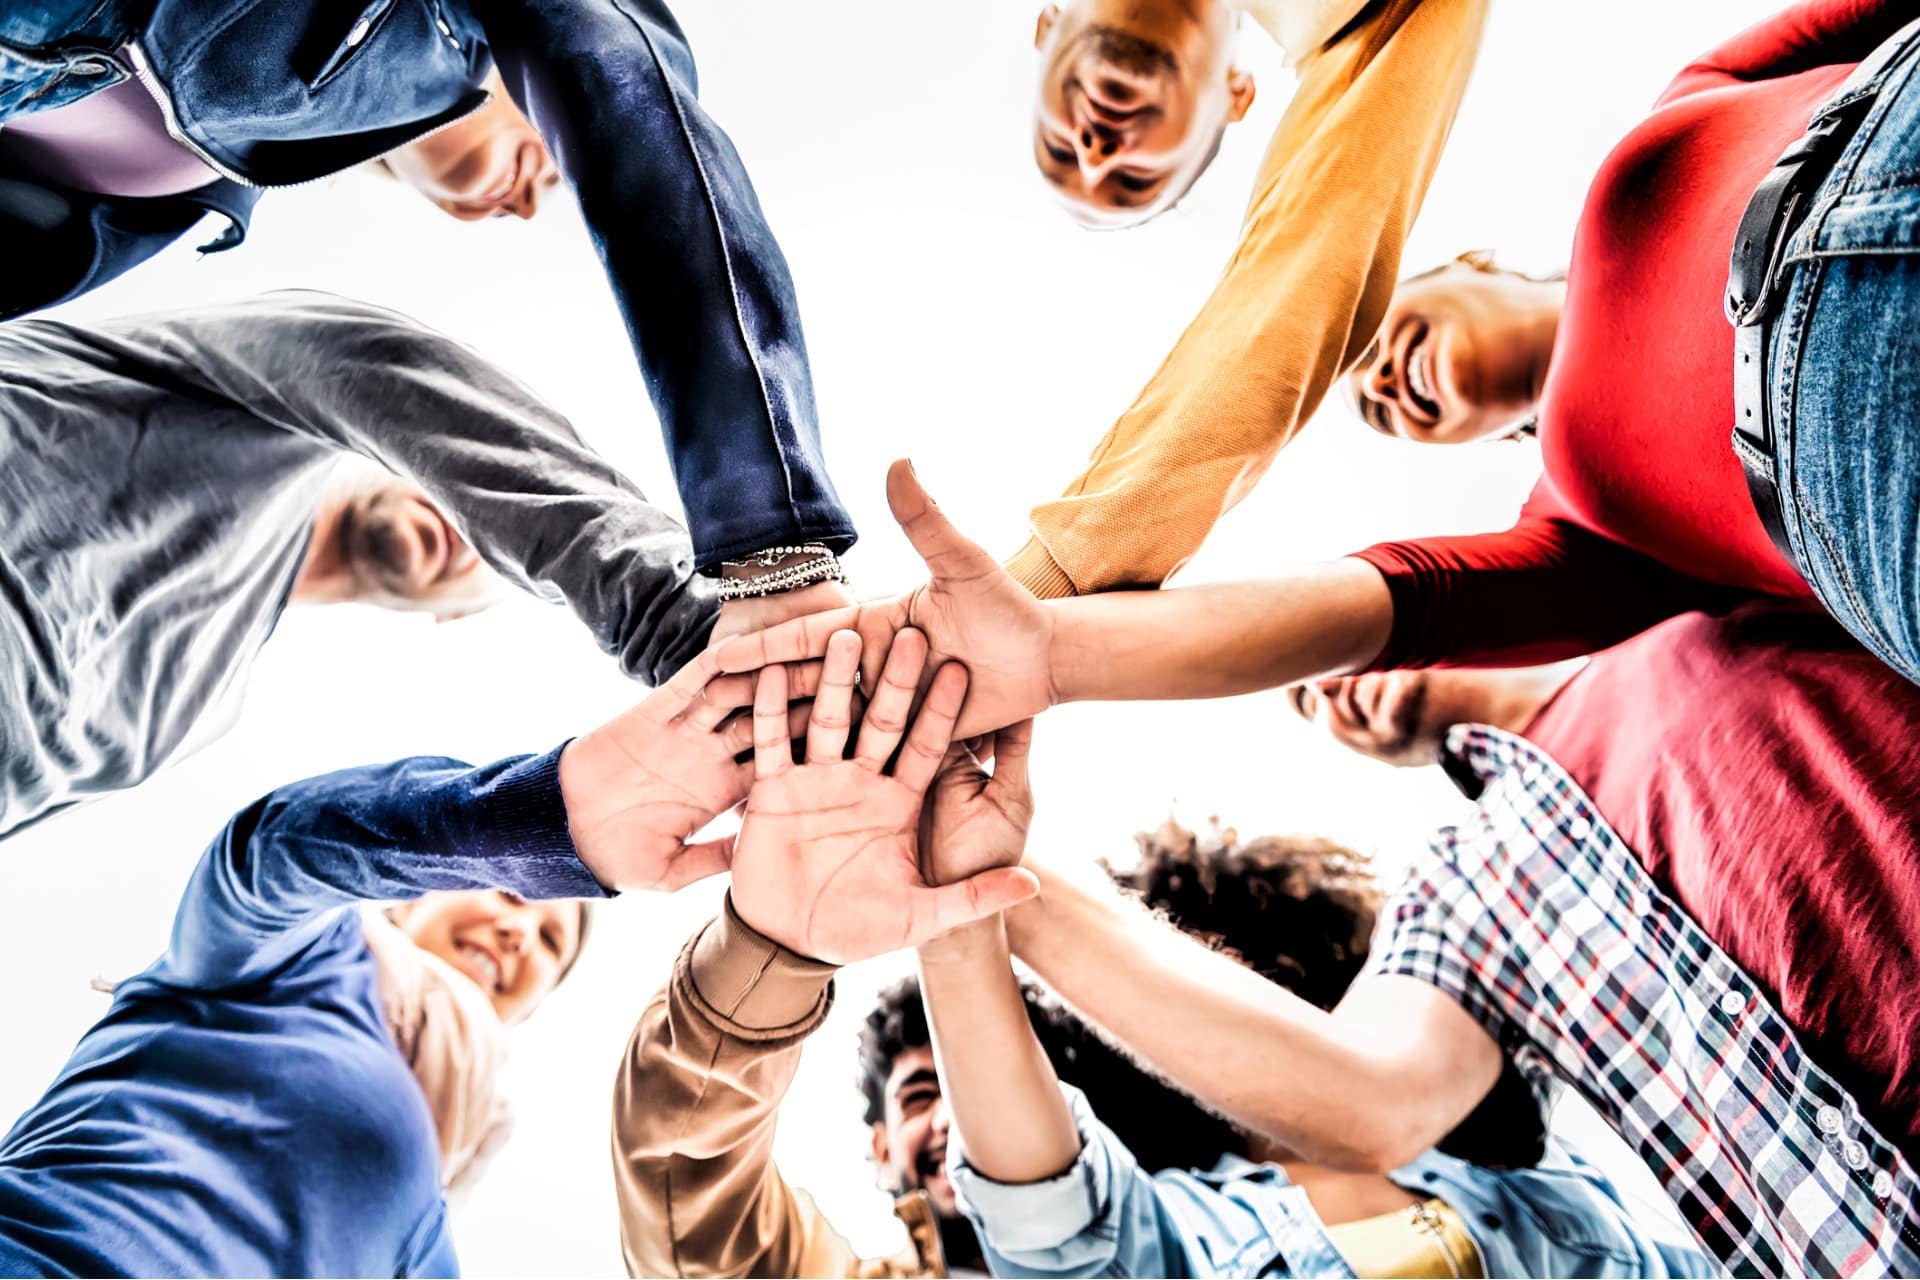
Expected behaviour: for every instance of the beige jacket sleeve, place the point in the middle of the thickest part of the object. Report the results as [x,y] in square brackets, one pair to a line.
[694,1110]
[1301,298]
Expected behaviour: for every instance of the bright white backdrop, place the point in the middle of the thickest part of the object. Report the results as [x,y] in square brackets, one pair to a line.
[953,315]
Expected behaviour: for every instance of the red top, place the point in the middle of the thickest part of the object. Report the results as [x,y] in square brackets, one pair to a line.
[1643,512]
[1766,771]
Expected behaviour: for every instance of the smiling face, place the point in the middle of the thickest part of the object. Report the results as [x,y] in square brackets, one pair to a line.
[1462,354]
[514,950]
[1387,715]
[1132,101]
[491,164]
[402,553]
[910,1140]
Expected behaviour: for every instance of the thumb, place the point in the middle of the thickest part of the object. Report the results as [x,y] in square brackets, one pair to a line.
[948,552]
[697,862]
[942,910]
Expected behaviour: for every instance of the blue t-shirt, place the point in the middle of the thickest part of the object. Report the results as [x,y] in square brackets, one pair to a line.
[242,1109]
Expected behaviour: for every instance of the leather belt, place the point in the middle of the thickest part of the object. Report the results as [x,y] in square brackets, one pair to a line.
[1779,204]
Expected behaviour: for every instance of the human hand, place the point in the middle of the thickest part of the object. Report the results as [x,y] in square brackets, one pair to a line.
[975,820]
[639,786]
[970,609]
[827,860]
[756,613]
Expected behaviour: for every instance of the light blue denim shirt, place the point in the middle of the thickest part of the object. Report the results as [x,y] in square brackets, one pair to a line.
[1106,1216]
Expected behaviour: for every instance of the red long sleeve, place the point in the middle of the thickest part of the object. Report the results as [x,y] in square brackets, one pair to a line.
[1541,591]
[1643,512]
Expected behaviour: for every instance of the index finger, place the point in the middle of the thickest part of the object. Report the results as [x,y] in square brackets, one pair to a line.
[794,640]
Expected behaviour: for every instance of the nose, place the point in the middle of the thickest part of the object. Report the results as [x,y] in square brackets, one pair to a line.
[538,174]
[1378,380]
[516,931]
[942,1119]
[1096,144]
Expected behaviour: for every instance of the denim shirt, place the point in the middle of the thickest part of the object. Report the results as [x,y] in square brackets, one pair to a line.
[1106,1216]
[278,92]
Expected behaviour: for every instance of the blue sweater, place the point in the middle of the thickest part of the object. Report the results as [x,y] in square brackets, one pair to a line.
[242,1108]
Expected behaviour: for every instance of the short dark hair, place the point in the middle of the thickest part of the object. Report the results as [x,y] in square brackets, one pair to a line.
[1300,912]
[1163,1127]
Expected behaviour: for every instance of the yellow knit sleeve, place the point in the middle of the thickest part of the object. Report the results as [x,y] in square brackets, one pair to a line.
[1307,287]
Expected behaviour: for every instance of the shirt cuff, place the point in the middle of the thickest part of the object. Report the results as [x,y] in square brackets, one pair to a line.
[751,987]
[1016,1218]
[522,823]
[1034,568]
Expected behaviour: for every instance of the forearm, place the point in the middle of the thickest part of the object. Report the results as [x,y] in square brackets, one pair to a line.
[381,832]
[706,293]
[1219,640]
[1002,1092]
[540,506]
[1240,1044]
[694,1112]
[1301,297]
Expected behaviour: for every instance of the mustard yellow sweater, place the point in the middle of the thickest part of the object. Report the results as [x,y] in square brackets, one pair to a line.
[1301,298]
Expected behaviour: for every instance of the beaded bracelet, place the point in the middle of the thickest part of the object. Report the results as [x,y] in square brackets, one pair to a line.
[825,568]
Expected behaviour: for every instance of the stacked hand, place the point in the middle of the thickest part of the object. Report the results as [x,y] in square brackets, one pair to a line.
[828,862]
[971,611]
[638,787]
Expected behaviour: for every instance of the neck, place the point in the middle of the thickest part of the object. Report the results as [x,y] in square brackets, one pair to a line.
[1505,699]
[1542,328]
[326,575]
[1339,1197]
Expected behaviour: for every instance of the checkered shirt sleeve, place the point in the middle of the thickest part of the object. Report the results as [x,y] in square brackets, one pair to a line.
[1537,919]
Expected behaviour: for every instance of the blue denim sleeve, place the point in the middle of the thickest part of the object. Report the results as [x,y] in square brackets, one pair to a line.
[1101,1217]
[377,832]
[704,288]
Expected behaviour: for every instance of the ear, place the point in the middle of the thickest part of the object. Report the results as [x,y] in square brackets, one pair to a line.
[1239,93]
[882,1151]
[1049,14]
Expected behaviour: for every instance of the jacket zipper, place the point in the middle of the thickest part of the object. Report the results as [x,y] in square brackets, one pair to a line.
[143,72]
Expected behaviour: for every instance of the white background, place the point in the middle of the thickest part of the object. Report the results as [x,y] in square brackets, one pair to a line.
[953,315]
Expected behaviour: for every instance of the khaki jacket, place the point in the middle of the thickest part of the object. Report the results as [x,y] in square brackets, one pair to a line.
[1301,298]
[693,1121]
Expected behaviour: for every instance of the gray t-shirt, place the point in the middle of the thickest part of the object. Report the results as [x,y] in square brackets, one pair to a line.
[159,476]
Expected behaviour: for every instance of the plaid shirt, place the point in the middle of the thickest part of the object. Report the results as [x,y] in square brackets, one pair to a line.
[1538,920]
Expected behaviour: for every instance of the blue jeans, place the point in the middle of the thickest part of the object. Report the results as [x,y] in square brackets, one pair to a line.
[1844,368]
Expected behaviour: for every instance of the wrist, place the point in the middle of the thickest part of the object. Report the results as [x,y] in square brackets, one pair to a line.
[778,571]
[1064,641]
[980,941]
[584,772]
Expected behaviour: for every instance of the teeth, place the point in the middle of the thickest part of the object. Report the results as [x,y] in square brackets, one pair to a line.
[485,961]
[1417,377]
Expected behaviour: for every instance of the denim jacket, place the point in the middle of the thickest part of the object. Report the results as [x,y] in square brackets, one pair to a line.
[1106,1216]
[278,92]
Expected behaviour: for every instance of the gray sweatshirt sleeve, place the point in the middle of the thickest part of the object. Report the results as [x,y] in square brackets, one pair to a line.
[541,507]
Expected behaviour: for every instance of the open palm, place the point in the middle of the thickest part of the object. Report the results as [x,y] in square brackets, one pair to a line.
[827,860]
[638,787]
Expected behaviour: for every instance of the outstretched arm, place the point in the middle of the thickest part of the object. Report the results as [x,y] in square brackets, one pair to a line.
[614,809]
[694,1112]
[1308,285]
[706,293]
[532,498]
[1367,1087]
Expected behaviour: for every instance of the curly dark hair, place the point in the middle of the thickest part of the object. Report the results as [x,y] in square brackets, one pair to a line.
[1300,911]
[1161,1126]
